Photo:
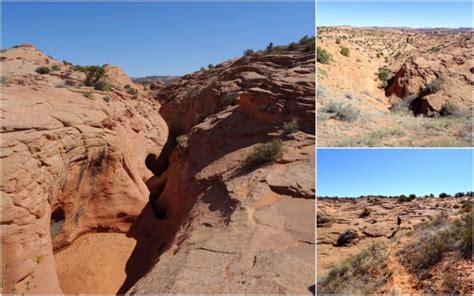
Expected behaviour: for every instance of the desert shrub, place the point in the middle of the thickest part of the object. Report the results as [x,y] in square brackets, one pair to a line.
[93,74]
[466,206]
[365,213]
[102,85]
[345,51]
[55,68]
[69,83]
[107,99]
[42,70]
[384,74]
[88,95]
[183,140]
[382,133]
[434,86]
[210,66]
[444,195]
[309,47]
[291,126]
[78,68]
[322,219]
[248,52]
[322,56]
[397,55]
[131,91]
[264,154]
[449,283]
[338,40]
[307,43]
[269,47]
[459,194]
[403,106]
[66,63]
[230,98]
[293,46]
[434,49]
[450,109]
[346,237]
[361,274]
[342,112]
[404,198]
[435,239]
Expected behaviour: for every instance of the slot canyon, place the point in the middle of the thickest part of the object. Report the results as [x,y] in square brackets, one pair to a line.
[150,193]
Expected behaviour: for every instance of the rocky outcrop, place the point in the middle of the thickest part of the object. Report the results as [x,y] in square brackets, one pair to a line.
[78,160]
[70,164]
[446,64]
[242,230]
[273,87]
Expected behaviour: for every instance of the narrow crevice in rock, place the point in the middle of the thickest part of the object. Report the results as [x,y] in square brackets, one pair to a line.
[58,216]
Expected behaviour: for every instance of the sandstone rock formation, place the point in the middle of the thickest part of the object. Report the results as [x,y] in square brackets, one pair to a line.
[391,73]
[79,161]
[246,231]
[71,164]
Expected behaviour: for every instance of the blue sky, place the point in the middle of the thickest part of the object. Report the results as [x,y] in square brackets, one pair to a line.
[395,14]
[154,38]
[355,172]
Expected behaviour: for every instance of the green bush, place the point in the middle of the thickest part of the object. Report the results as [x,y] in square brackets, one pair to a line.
[450,109]
[322,56]
[308,43]
[338,40]
[293,46]
[291,126]
[264,154]
[384,75]
[365,213]
[269,47]
[102,85]
[444,195]
[55,68]
[342,112]
[93,74]
[247,52]
[88,95]
[345,51]
[131,91]
[435,239]
[361,274]
[434,86]
[42,70]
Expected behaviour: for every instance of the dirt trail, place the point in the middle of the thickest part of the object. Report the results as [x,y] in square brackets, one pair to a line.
[402,280]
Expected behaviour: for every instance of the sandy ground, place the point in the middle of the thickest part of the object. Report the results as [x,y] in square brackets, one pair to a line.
[94,263]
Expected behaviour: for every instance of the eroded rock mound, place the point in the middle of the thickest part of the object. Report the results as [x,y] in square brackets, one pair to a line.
[73,162]
[244,230]
[435,76]
[271,87]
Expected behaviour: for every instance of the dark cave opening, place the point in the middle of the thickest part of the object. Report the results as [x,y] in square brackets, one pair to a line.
[58,217]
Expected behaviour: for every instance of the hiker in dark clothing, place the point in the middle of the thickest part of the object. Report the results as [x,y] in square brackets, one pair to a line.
[399,221]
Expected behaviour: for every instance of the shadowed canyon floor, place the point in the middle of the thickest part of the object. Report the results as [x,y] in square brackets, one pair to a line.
[201,184]
[394,87]
[360,248]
